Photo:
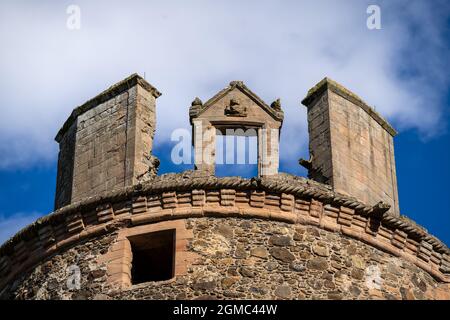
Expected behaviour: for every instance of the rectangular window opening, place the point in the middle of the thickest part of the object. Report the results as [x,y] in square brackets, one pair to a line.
[153,256]
[237,153]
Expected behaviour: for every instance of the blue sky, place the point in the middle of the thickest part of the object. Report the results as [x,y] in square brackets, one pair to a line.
[195,50]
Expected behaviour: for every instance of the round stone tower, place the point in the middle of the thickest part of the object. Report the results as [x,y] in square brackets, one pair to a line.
[120,231]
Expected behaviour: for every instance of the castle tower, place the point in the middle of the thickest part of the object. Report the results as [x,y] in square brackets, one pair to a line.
[236,107]
[106,143]
[351,145]
[191,235]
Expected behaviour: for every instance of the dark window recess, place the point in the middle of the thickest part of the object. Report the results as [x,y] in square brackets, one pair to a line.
[153,256]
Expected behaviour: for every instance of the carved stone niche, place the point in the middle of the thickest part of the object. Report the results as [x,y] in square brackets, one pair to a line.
[236,106]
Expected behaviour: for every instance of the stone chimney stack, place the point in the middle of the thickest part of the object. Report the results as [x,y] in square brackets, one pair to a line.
[351,145]
[106,143]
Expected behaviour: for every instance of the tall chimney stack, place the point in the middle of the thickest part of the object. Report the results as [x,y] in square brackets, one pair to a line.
[106,143]
[351,145]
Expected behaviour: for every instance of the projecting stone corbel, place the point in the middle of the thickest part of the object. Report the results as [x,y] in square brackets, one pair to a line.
[379,209]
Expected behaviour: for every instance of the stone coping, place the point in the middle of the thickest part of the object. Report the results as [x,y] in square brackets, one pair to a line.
[282,197]
[112,91]
[327,83]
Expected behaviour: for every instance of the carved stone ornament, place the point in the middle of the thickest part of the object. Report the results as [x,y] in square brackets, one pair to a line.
[276,105]
[235,109]
[197,102]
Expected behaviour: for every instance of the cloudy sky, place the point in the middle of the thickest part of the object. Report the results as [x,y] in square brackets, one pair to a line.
[195,48]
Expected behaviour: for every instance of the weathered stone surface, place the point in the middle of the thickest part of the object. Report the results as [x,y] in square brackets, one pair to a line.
[299,236]
[305,255]
[419,283]
[358,262]
[283,292]
[351,250]
[204,285]
[225,231]
[296,266]
[97,273]
[335,295]
[271,265]
[247,272]
[229,281]
[281,240]
[393,269]
[259,291]
[321,250]
[407,294]
[101,296]
[260,252]
[282,254]
[357,274]
[240,252]
[313,231]
[355,291]
[317,264]
[329,284]
[233,294]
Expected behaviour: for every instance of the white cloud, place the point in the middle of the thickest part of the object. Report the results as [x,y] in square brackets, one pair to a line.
[10,225]
[195,48]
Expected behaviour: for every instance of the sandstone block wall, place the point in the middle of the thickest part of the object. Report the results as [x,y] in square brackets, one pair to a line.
[66,159]
[351,146]
[107,142]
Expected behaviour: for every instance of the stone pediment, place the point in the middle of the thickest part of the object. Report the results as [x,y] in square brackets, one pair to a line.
[236,107]
[236,100]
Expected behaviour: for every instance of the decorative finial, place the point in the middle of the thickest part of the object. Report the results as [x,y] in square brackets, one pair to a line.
[276,105]
[197,102]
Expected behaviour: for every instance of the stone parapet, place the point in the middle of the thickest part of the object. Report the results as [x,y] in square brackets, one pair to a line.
[283,198]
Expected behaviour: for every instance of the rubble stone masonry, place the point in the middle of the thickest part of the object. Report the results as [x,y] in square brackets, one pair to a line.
[244,259]
[281,237]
